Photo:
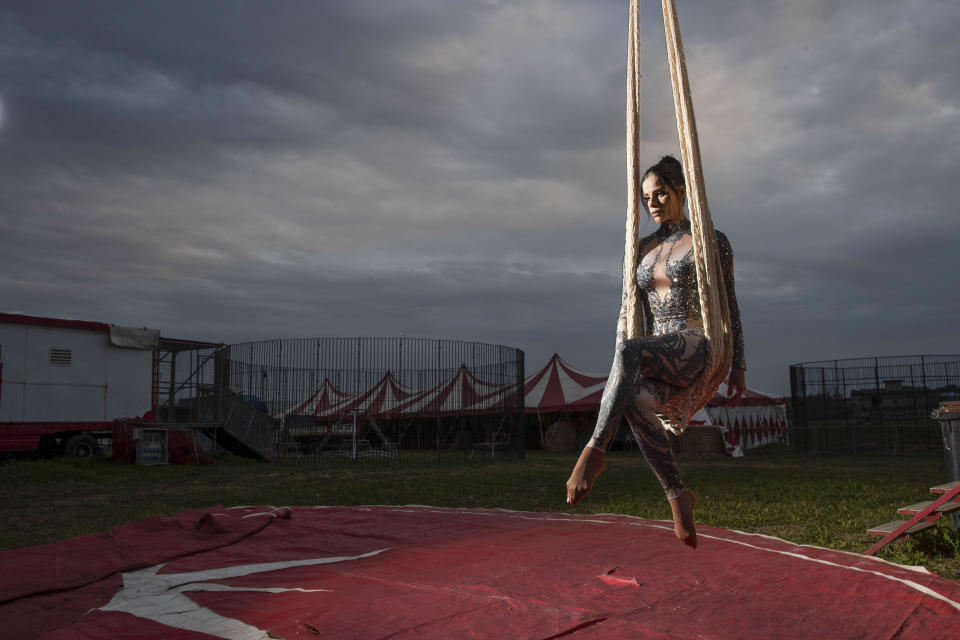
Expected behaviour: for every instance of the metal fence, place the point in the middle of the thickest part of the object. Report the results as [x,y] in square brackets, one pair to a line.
[381,398]
[871,405]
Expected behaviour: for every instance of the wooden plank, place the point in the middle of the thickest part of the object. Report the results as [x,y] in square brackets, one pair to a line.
[943,488]
[890,527]
[918,518]
[946,507]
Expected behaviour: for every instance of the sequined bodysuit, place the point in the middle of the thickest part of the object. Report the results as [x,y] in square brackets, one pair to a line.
[680,307]
[649,370]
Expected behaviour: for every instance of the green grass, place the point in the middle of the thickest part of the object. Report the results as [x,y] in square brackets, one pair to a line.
[827,501]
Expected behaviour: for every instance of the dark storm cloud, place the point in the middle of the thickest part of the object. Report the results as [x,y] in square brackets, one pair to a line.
[242,170]
[185,78]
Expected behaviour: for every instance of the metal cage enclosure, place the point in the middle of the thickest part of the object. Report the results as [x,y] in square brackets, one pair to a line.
[871,405]
[385,398]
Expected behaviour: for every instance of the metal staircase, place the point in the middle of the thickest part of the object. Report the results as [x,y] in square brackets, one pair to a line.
[244,430]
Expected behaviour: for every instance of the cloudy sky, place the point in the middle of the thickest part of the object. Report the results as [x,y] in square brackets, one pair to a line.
[233,171]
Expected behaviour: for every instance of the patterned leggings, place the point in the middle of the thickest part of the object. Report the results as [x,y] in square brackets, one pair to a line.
[646,373]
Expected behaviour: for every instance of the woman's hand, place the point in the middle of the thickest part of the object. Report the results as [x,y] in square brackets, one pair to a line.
[736,385]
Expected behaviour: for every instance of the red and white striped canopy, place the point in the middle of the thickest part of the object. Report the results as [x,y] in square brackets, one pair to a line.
[759,419]
[556,387]
[320,402]
[560,387]
[463,393]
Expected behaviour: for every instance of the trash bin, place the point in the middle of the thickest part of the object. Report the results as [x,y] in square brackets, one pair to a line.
[949,418]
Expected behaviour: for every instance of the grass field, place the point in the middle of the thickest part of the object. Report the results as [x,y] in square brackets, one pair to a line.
[827,501]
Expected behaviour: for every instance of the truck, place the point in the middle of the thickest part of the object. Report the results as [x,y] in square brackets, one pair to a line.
[64,384]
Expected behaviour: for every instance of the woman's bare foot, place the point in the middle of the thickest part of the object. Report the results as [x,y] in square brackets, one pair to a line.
[588,467]
[682,507]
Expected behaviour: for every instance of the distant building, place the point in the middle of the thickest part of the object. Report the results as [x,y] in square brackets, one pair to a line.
[894,400]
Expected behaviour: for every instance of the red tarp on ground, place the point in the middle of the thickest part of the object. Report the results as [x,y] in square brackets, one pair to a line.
[51,585]
[424,572]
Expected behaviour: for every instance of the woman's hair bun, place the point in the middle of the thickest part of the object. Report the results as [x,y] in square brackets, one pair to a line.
[669,170]
[670,161]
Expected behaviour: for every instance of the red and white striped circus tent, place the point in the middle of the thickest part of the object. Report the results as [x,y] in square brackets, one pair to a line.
[560,387]
[383,399]
[759,419]
[463,393]
[319,402]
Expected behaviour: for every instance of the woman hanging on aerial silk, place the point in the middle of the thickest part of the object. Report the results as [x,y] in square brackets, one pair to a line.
[652,370]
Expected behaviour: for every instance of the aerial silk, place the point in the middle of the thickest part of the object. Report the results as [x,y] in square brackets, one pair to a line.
[676,413]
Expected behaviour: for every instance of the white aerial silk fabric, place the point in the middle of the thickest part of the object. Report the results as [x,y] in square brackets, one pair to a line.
[676,413]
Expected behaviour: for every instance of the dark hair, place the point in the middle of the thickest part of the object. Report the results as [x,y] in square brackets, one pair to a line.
[670,172]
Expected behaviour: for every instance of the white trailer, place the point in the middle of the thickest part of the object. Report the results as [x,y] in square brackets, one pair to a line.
[64,382]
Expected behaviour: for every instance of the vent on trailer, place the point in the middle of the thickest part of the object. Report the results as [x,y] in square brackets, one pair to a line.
[61,357]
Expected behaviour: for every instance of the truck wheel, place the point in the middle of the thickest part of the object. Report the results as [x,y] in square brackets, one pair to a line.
[81,445]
